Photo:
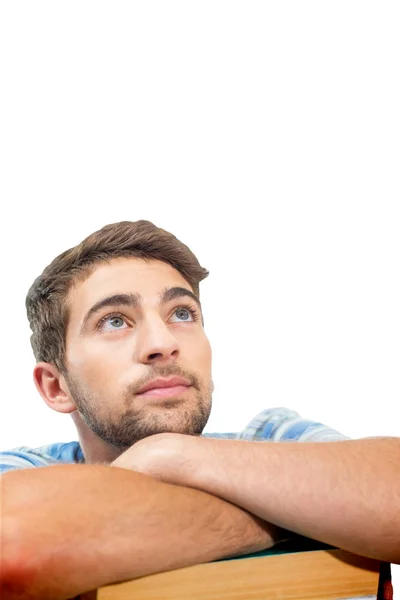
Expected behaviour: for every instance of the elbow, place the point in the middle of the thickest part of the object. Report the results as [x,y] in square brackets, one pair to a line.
[387,555]
[392,554]
[13,580]
[17,574]
[12,585]
[386,550]
[13,575]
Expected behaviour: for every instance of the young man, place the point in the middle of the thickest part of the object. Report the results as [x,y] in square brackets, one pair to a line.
[120,346]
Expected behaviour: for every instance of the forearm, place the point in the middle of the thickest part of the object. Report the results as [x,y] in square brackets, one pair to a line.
[342,493]
[72,528]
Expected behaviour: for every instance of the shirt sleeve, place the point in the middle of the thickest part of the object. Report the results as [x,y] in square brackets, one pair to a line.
[21,458]
[284,425]
[44,456]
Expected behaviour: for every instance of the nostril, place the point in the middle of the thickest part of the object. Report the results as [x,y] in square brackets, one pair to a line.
[155,355]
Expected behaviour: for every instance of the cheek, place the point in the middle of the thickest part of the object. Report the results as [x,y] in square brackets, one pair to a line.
[95,363]
[201,354]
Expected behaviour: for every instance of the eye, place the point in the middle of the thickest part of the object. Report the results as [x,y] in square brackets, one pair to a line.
[184,313]
[112,323]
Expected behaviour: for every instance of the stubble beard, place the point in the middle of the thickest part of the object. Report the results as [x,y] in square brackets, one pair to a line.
[138,421]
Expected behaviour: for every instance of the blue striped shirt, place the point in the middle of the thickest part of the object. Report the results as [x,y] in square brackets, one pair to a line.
[272,424]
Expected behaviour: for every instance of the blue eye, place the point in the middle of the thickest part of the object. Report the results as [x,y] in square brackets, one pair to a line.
[184,314]
[114,322]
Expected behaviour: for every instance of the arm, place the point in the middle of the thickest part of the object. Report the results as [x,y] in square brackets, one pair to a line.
[68,529]
[344,493]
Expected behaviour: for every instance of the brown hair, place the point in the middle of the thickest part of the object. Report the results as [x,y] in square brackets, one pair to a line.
[46,300]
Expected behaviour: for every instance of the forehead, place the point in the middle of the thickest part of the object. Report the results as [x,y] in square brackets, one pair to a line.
[123,276]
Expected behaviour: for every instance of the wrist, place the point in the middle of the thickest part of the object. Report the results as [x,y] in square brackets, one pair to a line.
[207,465]
[185,460]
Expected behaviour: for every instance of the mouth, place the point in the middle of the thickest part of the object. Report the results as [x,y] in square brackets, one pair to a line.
[165,388]
[166,392]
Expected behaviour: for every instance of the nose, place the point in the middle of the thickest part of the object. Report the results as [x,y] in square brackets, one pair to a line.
[156,343]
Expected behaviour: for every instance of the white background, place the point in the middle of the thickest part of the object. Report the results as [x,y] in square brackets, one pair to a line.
[263,135]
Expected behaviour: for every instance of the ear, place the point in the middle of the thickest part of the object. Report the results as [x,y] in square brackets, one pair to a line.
[51,385]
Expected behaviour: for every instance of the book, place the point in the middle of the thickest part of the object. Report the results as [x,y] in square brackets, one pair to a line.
[276,574]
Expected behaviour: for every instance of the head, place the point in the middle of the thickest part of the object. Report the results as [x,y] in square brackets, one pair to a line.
[111,316]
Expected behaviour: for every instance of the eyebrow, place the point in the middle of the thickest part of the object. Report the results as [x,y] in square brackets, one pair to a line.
[136,301]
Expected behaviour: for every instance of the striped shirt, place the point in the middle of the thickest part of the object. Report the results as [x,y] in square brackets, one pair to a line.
[273,424]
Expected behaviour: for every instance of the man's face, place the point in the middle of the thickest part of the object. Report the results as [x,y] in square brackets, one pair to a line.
[132,322]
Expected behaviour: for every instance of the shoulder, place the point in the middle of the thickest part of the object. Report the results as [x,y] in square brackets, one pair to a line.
[283,424]
[23,457]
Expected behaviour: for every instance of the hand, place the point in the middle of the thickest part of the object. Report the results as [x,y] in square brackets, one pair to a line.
[168,457]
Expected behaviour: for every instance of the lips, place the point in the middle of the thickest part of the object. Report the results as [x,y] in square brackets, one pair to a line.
[165,386]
